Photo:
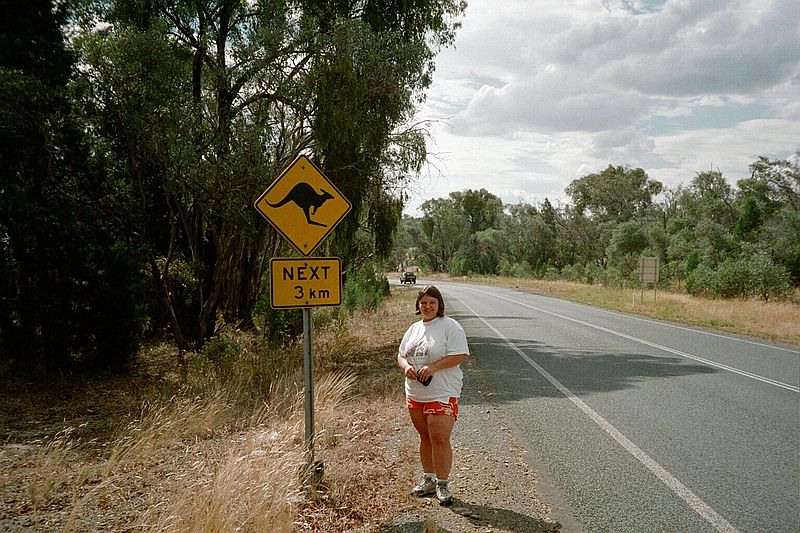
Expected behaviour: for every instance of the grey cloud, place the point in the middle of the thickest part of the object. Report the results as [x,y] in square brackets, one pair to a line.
[622,146]
[689,48]
[554,101]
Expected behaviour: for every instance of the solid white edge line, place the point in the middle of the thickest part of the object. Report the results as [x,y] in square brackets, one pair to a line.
[721,366]
[731,338]
[683,492]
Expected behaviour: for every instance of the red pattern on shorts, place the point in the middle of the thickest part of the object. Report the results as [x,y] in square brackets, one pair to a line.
[436,408]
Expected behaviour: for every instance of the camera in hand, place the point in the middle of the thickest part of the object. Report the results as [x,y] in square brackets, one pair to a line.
[426,381]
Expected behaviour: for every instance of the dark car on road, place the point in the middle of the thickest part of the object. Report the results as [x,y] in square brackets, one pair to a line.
[408,277]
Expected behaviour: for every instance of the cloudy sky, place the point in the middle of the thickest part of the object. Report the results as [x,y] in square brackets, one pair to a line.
[537,93]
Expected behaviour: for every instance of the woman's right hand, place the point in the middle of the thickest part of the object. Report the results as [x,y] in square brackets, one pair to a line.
[411,373]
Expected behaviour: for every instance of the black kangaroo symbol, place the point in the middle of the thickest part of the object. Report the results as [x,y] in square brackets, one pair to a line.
[307,199]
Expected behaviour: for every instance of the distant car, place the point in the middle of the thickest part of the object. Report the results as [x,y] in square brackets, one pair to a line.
[408,277]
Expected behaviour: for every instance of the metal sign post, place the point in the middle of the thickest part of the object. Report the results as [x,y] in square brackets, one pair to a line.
[308,370]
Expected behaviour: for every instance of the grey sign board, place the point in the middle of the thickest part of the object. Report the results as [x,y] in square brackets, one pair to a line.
[648,270]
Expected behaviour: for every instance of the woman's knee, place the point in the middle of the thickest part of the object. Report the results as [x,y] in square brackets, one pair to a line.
[439,438]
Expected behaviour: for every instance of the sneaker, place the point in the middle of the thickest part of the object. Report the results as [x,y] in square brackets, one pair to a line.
[443,493]
[426,488]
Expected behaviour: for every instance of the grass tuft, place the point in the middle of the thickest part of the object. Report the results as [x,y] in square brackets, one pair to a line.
[51,469]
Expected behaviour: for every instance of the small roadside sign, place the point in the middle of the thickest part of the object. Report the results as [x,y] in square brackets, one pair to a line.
[311,282]
[303,205]
[648,270]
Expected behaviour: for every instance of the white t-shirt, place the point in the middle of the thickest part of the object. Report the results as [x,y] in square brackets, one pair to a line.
[425,343]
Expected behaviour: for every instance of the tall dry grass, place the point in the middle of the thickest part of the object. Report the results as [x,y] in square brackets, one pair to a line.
[224,449]
[50,471]
[161,424]
[256,485]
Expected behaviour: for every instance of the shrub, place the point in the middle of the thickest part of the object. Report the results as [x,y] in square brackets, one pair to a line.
[593,273]
[219,353]
[700,280]
[365,288]
[731,280]
[766,278]
[514,270]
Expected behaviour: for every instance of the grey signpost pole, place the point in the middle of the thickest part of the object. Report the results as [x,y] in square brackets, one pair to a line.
[309,386]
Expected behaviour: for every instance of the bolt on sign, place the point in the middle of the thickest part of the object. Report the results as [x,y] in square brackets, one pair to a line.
[309,282]
[303,205]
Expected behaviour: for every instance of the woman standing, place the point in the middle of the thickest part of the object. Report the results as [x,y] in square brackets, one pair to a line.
[430,354]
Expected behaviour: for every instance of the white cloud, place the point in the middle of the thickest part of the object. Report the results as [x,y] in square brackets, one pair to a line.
[537,94]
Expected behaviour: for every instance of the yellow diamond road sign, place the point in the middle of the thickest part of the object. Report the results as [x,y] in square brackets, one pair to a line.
[310,282]
[303,205]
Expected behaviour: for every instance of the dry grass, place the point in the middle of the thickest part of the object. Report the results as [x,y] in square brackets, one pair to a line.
[253,481]
[224,448]
[775,321]
[50,470]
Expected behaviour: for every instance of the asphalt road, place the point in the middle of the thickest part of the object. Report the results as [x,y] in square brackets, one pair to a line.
[635,425]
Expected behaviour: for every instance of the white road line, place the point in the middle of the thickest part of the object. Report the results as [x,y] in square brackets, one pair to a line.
[683,492]
[795,351]
[652,344]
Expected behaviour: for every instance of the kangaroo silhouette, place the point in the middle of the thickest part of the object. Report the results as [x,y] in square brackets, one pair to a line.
[306,198]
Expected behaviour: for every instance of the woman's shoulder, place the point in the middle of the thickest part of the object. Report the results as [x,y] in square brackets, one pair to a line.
[451,322]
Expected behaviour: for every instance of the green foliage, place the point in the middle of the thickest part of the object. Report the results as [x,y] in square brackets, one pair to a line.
[73,287]
[364,288]
[514,270]
[480,254]
[628,240]
[616,194]
[701,281]
[706,234]
[750,219]
[753,275]
[692,261]
[219,354]
[766,279]
[730,279]
[277,326]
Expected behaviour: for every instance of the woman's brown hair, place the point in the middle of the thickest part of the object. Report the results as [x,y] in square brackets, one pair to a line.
[433,292]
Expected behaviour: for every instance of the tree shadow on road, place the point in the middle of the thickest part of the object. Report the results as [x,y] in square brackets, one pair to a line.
[583,371]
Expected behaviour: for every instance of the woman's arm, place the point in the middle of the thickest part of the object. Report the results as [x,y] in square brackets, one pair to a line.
[408,368]
[448,361]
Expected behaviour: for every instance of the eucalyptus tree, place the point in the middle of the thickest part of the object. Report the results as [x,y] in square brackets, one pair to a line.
[375,62]
[773,191]
[445,229]
[195,105]
[602,200]
[482,209]
[199,104]
[615,194]
[628,241]
[532,237]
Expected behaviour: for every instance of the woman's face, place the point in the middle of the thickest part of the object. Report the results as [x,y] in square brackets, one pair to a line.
[429,307]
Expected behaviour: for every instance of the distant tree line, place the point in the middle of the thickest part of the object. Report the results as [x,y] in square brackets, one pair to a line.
[711,238]
[135,135]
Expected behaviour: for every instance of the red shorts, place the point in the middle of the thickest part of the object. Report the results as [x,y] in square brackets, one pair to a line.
[436,408]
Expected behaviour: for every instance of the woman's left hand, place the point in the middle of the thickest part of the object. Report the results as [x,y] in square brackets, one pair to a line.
[425,372]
